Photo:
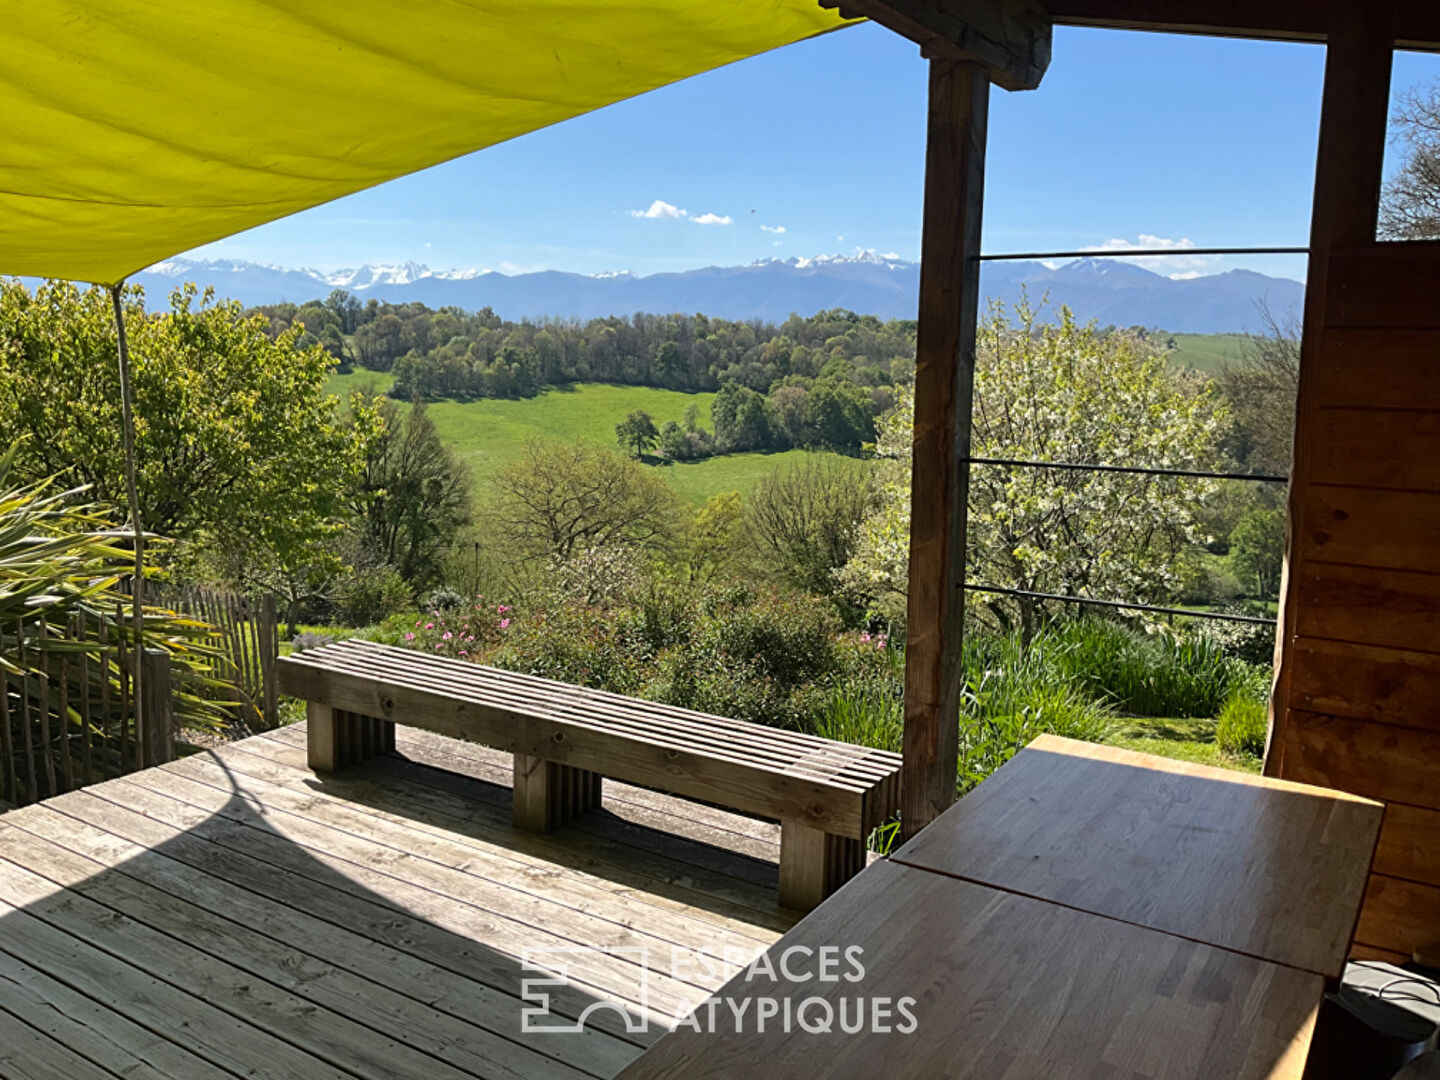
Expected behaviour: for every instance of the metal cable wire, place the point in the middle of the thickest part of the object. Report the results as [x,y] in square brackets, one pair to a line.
[1138,469]
[1216,615]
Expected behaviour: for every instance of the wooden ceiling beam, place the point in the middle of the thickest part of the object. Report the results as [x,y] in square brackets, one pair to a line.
[1417,22]
[1010,39]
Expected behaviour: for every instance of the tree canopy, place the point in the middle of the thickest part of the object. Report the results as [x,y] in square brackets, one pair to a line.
[1063,393]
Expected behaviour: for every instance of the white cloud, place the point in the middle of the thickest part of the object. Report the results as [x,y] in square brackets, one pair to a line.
[713,219]
[1176,265]
[659,209]
[772,228]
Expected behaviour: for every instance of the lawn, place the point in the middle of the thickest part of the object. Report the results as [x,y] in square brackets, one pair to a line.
[487,433]
[1207,353]
[1186,740]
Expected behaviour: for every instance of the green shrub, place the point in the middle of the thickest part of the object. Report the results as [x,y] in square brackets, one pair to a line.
[1243,723]
[1156,674]
[371,594]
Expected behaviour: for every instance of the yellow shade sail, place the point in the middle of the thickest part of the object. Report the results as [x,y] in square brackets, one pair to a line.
[132,130]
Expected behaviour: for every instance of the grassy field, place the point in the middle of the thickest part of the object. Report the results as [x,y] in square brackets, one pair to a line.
[1187,740]
[1207,352]
[490,432]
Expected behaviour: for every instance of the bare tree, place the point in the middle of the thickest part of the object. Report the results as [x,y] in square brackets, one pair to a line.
[1261,389]
[805,519]
[1410,208]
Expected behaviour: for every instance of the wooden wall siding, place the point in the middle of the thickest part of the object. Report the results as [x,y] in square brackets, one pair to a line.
[1360,708]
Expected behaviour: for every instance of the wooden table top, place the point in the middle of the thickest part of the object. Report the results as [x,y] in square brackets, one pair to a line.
[1006,988]
[1263,867]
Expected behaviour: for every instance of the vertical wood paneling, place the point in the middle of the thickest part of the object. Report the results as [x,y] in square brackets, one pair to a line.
[1357,699]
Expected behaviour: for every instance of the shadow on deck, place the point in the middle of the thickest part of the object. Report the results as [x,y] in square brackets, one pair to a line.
[233,914]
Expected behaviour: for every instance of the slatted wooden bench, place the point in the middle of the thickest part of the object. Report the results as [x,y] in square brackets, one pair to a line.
[828,796]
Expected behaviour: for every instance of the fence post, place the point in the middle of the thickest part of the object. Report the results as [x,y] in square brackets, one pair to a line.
[158,733]
[269,651]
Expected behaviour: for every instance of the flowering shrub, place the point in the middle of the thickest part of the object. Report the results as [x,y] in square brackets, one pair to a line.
[462,631]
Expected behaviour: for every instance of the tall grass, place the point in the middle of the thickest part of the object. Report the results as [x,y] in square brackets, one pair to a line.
[1013,693]
[1159,674]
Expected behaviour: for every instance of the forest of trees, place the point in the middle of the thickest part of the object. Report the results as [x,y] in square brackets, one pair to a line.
[808,382]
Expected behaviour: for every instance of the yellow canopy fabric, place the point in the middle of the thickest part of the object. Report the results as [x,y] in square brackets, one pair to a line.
[132,130]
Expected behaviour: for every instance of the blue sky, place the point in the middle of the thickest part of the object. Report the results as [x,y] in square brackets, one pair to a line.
[1190,140]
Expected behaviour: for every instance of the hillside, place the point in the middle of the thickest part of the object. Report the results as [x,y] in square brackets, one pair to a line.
[488,433]
[1106,290]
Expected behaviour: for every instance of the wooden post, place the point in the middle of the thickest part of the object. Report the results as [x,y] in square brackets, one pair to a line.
[547,794]
[814,863]
[1349,167]
[940,481]
[271,650]
[156,739]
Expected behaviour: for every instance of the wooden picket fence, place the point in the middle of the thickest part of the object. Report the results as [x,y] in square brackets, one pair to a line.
[69,719]
[250,634]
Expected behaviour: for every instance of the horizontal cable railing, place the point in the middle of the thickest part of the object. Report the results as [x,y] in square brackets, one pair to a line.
[1082,466]
[1131,253]
[1090,601]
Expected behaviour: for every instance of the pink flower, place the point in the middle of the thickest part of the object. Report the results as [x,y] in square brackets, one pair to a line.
[469,637]
[502,608]
[504,623]
[447,636]
[865,637]
[464,653]
[429,626]
[417,622]
[411,636]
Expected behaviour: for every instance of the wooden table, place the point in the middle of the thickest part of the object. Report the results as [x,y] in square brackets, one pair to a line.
[1085,913]
[1263,867]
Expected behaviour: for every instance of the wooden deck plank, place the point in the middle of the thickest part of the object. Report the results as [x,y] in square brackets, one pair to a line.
[751,864]
[436,988]
[99,1034]
[28,1054]
[349,870]
[303,795]
[329,900]
[232,916]
[320,1034]
[519,919]
[640,874]
[229,1042]
[372,1004]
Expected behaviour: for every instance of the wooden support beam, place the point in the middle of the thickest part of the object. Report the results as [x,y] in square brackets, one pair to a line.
[940,482]
[1009,38]
[1354,113]
[1417,22]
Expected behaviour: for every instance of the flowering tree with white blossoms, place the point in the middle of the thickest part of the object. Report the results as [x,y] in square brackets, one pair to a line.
[1059,392]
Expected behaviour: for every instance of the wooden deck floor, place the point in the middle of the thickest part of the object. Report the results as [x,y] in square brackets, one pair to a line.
[233,915]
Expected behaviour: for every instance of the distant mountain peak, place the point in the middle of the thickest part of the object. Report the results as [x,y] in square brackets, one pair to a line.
[1108,290]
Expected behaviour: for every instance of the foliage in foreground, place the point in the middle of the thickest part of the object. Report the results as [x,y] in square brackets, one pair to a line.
[58,560]
[784,659]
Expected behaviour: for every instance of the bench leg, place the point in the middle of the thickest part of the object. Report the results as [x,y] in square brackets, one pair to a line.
[814,863]
[335,739]
[548,794]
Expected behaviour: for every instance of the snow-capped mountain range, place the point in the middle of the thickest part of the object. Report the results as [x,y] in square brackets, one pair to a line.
[1108,290]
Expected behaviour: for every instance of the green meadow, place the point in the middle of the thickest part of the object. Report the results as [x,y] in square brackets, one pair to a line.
[487,433]
[1207,353]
